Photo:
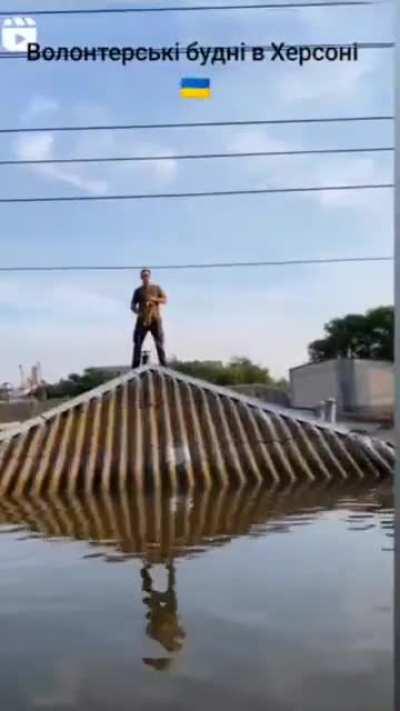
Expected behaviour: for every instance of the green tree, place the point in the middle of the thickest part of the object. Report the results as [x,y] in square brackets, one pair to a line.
[76,384]
[238,371]
[369,335]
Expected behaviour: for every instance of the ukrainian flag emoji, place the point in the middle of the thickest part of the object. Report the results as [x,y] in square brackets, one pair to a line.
[192,88]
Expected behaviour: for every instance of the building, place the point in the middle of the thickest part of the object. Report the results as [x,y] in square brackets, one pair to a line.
[159,429]
[361,388]
[5,391]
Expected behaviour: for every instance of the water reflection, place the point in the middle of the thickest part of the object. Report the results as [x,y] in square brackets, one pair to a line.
[159,529]
[246,616]
[163,625]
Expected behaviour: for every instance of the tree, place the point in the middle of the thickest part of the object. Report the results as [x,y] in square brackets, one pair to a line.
[369,336]
[238,371]
[76,384]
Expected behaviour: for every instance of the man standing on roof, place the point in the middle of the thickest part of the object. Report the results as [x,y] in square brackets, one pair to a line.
[145,303]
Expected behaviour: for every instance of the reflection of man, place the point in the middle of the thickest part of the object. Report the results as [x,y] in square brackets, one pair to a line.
[145,303]
[163,625]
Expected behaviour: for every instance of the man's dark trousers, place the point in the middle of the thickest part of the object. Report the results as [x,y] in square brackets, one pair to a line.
[139,334]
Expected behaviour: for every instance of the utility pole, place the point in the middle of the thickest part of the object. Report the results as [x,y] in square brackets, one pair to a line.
[397,350]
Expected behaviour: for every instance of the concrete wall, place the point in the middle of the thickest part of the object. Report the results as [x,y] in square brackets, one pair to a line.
[21,410]
[313,382]
[263,392]
[371,387]
[360,387]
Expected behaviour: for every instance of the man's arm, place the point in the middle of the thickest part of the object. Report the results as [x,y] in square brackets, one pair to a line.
[135,302]
[161,297]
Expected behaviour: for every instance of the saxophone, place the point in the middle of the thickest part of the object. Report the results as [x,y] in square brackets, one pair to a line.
[148,313]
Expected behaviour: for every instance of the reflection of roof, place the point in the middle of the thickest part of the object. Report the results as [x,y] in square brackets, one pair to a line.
[154,426]
[159,528]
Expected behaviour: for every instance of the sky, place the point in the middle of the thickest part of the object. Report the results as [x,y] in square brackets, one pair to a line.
[72,320]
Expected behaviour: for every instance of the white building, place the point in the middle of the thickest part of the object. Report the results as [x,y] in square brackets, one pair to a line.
[363,388]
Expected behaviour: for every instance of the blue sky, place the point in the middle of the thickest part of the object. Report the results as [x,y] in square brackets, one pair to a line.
[70,321]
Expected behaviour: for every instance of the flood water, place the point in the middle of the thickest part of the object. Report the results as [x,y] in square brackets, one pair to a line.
[269,601]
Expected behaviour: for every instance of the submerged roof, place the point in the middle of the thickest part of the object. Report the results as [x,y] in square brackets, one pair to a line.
[159,428]
[159,528]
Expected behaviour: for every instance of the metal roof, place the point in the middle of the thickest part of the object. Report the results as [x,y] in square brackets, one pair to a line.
[154,427]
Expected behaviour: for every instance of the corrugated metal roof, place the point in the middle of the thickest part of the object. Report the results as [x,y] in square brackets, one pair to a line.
[154,427]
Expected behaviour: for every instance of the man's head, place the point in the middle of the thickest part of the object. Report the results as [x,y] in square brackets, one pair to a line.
[145,276]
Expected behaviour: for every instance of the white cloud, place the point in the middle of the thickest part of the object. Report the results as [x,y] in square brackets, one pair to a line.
[114,177]
[354,171]
[40,146]
[38,106]
[255,140]
[166,170]
[158,173]
[320,170]
[96,187]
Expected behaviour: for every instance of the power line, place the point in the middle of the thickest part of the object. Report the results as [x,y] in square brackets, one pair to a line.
[206,193]
[210,265]
[192,8]
[199,124]
[247,48]
[197,156]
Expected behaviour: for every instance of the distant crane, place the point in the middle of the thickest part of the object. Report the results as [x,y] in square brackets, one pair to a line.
[32,384]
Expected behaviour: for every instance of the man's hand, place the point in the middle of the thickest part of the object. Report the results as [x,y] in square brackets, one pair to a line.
[159,300]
